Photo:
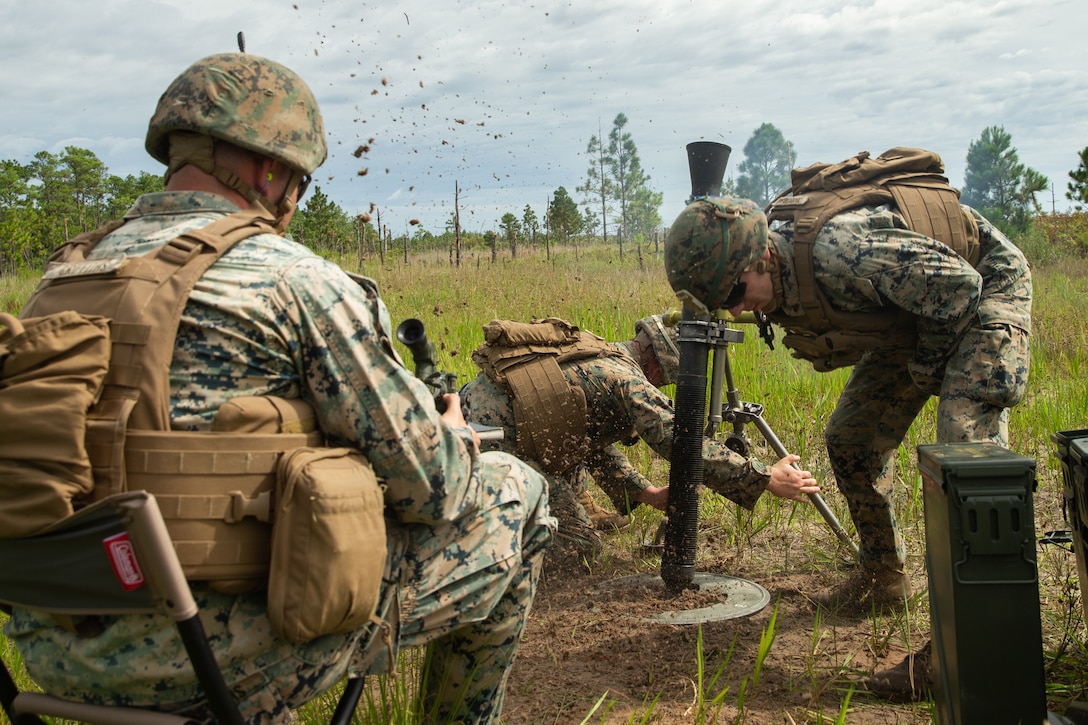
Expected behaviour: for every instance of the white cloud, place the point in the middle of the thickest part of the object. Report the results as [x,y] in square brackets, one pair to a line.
[502,97]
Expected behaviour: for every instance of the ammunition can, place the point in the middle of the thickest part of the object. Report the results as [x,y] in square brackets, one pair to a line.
[987,659]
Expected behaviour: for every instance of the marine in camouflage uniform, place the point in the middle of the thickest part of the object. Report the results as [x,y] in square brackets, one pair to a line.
[972,329]
[466,530]
[623,405]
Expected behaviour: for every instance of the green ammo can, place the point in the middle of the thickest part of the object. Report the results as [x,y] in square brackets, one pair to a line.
[987,658]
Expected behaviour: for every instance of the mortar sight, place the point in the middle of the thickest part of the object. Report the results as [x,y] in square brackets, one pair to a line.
[412,333]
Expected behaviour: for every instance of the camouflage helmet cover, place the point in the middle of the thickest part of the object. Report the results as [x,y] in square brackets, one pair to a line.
[249,101]
[663,340]
[712,241]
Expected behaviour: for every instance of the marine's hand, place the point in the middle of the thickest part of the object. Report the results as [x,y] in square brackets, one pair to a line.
[453,415]
[656,496]
[789,482]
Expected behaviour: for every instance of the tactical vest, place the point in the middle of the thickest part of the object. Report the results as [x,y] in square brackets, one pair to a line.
[549,411]
[909,178]
[213,488]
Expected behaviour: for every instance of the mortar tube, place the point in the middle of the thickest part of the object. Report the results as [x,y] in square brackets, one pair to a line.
[706,167]
[686,469]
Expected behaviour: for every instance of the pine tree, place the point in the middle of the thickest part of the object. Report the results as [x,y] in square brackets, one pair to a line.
[1078,187]
[597,188]
[997,184]
[564,219]
[765,171]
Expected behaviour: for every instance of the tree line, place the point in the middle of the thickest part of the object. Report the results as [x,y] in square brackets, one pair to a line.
[996,183]
[56,196]
[51,199]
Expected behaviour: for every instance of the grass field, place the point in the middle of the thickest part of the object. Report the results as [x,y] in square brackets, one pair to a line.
[600,293]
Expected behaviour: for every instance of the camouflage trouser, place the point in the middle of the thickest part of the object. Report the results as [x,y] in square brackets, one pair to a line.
[486,402]
[986,374]
[469,595]
[465,587]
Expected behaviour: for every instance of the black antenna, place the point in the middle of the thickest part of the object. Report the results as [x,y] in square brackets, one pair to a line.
[241,42]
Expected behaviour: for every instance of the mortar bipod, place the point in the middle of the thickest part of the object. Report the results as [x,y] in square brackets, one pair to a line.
[740,413]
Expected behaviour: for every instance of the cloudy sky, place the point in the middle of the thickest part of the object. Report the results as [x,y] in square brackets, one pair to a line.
[501,98]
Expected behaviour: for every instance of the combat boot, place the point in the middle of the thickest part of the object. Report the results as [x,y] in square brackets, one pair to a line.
[603,520]
[909,681]
[576,539]
[868,591]
[574,545]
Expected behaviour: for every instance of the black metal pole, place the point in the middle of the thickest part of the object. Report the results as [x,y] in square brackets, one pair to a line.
[686,471]
[706,166]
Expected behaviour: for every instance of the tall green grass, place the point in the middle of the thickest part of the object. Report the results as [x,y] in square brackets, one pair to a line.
[15,290]
[605,295]
[595,291]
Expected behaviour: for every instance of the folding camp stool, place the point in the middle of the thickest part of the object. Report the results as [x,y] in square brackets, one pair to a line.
[115,557]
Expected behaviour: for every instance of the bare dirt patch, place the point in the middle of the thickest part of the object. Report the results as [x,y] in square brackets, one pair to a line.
[584,641]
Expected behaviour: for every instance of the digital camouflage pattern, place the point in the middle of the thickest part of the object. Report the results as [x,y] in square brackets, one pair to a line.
[251,102]
[973,330]
[622,406]
[709,245]
[467,531]
[663,340]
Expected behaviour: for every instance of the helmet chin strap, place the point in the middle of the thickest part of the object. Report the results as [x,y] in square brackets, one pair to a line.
[199,150]
[766,331]
[286,204]
[775,269]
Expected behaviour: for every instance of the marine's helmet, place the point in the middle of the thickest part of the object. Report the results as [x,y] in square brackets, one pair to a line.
[663,340]
[249,101]
[712,241]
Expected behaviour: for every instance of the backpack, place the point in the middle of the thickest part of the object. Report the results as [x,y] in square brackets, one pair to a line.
[549,412]
[73,383]
[52,371]
[909,178]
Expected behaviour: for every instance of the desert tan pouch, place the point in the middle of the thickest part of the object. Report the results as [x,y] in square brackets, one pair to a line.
[328,544]
[52,370]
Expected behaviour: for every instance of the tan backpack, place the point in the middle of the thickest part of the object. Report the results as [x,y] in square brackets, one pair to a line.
[52,370]
[909,178]
[549,412]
